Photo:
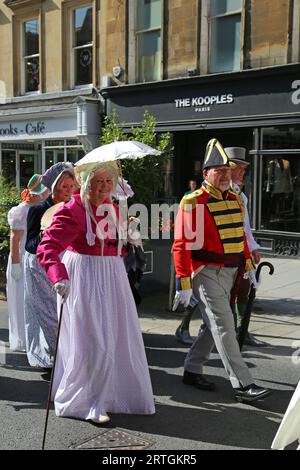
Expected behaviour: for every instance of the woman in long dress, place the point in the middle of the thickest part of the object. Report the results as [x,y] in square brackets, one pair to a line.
[101,363]
[289,429]
[40,298]
[17,220]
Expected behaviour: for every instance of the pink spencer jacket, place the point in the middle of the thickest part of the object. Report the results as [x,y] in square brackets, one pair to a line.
[68,232]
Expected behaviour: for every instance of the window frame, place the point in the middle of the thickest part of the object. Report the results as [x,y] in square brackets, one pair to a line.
[295,43]
[133,34]
[75,48]
[24,58]
[205,36]
[20,17]
[68,63]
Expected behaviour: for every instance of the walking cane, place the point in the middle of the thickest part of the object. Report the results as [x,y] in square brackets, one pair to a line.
[52,374]
[251,297]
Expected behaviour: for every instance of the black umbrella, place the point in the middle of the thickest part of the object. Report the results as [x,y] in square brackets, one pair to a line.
[251,297]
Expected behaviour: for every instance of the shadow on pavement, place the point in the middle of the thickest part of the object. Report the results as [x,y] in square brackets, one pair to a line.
[284,306]
[217,424]
[215,418]
[4,335]
[33,393]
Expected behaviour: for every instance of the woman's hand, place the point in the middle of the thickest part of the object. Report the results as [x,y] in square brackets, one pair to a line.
[134,236]
[62,288]
[16,271]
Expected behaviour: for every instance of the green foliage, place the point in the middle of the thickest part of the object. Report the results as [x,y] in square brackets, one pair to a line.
[9,197]
[145,175]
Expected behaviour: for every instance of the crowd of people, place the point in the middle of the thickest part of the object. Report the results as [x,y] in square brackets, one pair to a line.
[76,262]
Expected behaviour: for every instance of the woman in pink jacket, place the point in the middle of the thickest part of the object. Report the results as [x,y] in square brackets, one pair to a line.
[101,362]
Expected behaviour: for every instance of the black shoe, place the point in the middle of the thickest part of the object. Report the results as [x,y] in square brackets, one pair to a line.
[47,375]
[251,340]
[184,336]
[198,381]
[250,393]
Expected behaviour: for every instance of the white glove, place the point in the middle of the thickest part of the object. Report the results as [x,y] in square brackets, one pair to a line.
[16,271]
[251,275]
[182,297]
[62,288]
[134,236]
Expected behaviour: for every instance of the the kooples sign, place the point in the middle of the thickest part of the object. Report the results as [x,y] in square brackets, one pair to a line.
[29,128]
[296,94]
[203,103]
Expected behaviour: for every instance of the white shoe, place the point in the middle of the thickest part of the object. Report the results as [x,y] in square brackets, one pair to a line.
[101,419]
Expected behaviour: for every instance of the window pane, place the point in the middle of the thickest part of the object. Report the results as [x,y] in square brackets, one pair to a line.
[54,156]
[32,74]
[54,143]
[83,26]
[149,56]
[281,193]
[148,14]
[83,66]
[9,166]
[74,155]
[72,142]
[225,40]
[218,7]
[281,138]
[31,37]
[26,169]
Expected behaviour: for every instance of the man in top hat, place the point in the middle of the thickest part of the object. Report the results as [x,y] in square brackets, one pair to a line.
[238,156]
[213,261]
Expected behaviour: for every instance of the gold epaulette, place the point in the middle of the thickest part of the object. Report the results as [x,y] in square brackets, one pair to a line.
[189,201]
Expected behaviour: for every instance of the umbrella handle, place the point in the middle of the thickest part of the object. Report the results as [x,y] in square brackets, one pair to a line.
[261,265]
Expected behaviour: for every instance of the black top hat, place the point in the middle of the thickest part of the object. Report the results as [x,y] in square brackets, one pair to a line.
[215,155]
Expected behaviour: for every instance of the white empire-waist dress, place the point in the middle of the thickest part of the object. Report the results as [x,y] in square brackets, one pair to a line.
[289,429]
[101,361]
[17,220]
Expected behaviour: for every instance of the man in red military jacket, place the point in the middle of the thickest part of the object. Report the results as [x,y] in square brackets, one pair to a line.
[210,248]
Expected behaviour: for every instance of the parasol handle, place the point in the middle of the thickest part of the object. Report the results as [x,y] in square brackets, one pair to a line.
[261,265]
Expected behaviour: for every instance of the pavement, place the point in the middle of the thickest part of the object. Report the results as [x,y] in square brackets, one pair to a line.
[186,418]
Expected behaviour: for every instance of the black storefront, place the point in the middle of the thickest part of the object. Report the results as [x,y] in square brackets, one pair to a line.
[256,109]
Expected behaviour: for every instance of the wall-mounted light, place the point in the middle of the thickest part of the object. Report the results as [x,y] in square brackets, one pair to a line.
[117,71]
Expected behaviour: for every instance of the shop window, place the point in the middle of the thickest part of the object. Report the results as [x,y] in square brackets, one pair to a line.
[148,40]
[224,31]
[27,168]
[54,156]
[73,155]
[9,166]
[280,194]
[31,55]
[82,45]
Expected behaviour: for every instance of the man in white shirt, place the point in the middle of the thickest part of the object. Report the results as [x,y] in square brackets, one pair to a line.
[238,156]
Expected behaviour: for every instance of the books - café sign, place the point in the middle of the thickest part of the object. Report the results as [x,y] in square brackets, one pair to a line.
[29,128]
